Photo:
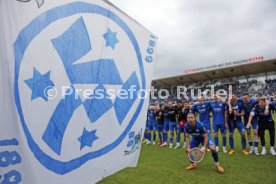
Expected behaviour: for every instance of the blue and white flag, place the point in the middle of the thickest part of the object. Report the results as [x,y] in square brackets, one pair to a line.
[74,79]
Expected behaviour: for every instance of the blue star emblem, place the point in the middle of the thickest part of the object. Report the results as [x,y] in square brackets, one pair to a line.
[110,38]
[87,138]
[40,84]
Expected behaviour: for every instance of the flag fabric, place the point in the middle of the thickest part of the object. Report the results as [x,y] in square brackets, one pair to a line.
[74,79]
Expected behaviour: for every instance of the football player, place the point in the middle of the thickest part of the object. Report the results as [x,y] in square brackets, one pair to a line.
[173,118]
[183,111]
[152,127]
[199,135]
[265,123]
[248,105]
[203,110]
[219,112]
[166,127]
[236,112]
[160,123]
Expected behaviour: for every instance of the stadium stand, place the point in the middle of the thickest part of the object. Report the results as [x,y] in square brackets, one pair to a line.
[252,77]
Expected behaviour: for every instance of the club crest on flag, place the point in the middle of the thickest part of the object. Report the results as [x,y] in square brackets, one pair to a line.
[84,54]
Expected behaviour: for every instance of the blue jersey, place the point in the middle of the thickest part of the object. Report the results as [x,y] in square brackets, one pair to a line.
[197,131]
[238,107]
[259,113]
[203,110]
[218,110]
[151,116]
[248,108]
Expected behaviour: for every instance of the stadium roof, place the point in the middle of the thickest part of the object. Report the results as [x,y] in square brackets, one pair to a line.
[247,69]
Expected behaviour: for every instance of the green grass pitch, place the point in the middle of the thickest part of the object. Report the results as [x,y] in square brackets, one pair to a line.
[163,165]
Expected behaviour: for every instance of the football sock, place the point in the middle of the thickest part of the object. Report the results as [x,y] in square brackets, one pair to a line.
[160,136]
[231,142]
[154,136]
[216,141]
[243,142]
[224,141]
[215,156]
[165,137]
[178,138]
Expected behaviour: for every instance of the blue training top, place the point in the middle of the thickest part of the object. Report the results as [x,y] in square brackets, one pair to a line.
[218,110]
[203,110]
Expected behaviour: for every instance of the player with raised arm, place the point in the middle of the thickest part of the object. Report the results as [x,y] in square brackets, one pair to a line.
[265,123]
[219,112]
[199,135]
[236,112]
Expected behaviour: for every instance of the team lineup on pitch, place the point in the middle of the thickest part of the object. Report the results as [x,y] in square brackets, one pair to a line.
[240,114]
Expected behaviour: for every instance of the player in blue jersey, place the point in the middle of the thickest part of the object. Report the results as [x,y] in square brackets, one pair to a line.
[219,112]
[236,112]
[173,119]
[203,110]
[199,135]
[152,126]
[248,105]
[265,123]
[146,133]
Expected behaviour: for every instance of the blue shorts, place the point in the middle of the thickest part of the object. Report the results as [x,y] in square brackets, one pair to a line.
[207,125]
[160,128]
[179,129]
[166,125]
[238,124]
[196,141]
[220,127]
[147,125]
[172,126]
[254,124]
[152,125]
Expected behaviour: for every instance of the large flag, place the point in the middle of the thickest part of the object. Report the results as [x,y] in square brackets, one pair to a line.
[74,82]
